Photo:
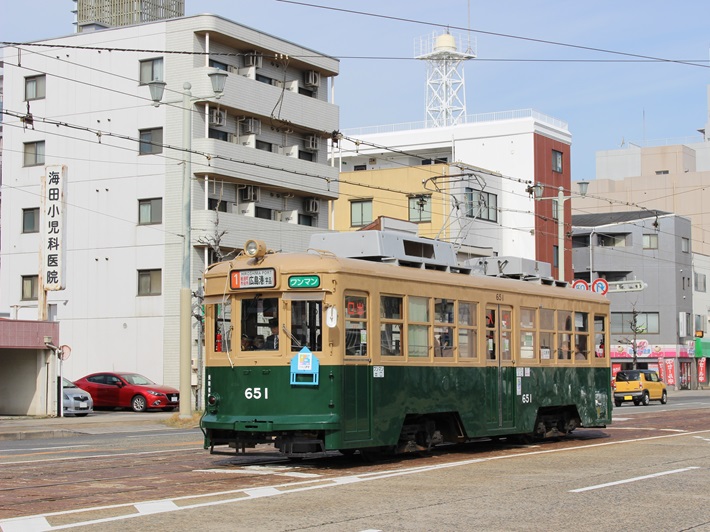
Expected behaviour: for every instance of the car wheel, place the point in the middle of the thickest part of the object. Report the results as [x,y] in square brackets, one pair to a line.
[617,402]
[645,400]
[138,403]
[664,397]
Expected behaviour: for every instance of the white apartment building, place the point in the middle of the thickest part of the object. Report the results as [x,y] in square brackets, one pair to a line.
[258,170]
[525,147]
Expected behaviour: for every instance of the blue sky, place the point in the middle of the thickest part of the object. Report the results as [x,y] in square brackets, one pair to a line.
[604,103]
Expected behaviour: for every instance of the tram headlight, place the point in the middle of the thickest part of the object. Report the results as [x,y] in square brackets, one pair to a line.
[255,248]
[212,402]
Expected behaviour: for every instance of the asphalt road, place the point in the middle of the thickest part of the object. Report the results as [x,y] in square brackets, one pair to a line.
[647,471]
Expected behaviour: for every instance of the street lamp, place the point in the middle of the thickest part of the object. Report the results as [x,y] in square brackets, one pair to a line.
[560,200]
[218,79]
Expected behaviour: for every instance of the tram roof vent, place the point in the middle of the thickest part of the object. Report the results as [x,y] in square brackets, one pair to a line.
[512,267]
[392,247]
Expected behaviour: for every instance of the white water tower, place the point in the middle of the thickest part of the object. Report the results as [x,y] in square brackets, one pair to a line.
[446,92]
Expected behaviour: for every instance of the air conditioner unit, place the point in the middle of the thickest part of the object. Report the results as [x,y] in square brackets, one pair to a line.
[249,193]
[276,148]
[233,137]
[277,83]
[251,126]
[277,216]
[253,59]
[311,205]
[217,117]
[232,69]
[311,143]
[311,78]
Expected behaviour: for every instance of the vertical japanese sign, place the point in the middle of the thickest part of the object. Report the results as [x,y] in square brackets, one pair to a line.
[702,375]
[52,223]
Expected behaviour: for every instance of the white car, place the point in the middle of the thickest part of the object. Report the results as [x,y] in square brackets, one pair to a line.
[76,401]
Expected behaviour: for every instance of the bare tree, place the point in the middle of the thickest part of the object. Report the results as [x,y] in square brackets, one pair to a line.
[635,329]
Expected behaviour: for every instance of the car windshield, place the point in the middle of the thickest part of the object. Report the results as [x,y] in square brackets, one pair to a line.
[627,376]
[68,384]
[134,378]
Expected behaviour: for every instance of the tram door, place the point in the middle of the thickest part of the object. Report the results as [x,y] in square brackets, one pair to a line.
[356,370]
[500,373]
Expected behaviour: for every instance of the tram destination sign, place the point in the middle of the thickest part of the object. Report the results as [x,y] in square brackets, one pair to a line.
[242,279]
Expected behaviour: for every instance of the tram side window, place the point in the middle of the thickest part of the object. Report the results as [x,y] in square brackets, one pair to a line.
[223,327]
[418,327]
[527,333]
[581,336]
[506,333]
[391,324]
[306,325]
[355,325]
[491,334]
[444,329]
[547,334]
[467,329]
[258,316]
[599,331]
[564,328]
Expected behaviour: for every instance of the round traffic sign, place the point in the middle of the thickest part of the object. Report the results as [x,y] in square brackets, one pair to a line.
[600,286]
[580,284]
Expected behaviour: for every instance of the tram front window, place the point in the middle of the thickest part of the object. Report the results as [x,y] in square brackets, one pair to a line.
[259,315]
[306,325]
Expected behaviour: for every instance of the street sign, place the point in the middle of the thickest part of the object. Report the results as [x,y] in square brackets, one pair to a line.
[580,284]
[600,286]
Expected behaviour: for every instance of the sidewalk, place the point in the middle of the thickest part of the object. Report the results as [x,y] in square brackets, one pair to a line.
[102,422]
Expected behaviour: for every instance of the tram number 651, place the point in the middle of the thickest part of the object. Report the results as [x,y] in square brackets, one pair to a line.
[527,398]
[256,393]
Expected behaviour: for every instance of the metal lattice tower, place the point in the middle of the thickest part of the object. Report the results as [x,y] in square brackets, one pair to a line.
[446,93]
[93,14]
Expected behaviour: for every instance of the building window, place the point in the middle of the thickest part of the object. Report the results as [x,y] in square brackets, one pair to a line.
[150,211]
[149,282]
[699,282]
[151,70]
[685,245]
[30,287]
[420,208]
[151,141]
[306,155]
[264,146]
[557,161]
[359,167]
[218,134]
[305,219]
[35,87]
[360,213]
[34,153]
[646,323]
[218,65]
[30,220]
[215,204]
[481,205]
[616,241]
[306,92]
[661,172]
[555,257]
[263,213]
[650,241]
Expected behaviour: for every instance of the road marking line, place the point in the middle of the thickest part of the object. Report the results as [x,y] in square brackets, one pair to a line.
[43,448]
[155,507]
[31,524]
[635,479]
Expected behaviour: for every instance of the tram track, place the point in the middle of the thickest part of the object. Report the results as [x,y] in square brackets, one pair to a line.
[52,485]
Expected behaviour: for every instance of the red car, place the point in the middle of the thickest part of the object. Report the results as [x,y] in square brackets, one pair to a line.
[129,390]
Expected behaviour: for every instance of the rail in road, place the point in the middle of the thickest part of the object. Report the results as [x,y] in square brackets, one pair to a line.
[61,486]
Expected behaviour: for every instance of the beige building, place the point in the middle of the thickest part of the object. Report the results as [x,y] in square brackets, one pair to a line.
[667,178]
[439,198]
